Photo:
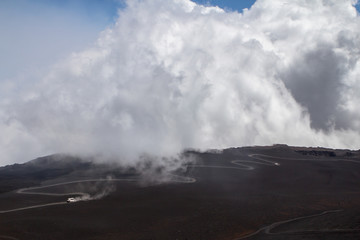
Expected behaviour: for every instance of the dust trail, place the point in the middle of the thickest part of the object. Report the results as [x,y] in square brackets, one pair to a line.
[82,196]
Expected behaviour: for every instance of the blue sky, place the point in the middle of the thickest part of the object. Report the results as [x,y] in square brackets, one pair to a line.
[234,5]
[38,33]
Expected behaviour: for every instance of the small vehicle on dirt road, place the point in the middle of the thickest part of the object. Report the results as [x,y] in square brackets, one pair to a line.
[70,200]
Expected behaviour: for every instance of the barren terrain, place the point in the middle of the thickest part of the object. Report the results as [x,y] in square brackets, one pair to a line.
[276,192]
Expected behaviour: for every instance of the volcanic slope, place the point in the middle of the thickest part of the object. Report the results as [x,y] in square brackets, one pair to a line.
[275,192]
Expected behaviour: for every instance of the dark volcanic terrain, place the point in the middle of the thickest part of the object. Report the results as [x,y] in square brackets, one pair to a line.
[276,192]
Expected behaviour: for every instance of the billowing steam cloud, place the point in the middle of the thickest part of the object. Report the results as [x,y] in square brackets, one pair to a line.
[172,74]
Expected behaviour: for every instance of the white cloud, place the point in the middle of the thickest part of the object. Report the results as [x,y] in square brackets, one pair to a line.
[172,74]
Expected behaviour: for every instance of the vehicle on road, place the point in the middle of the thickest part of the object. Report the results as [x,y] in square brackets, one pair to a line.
[70,200]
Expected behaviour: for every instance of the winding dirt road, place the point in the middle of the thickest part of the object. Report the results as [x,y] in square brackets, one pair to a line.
[81,196]
[259,159]
[267,229]
[305,159]
[242,164]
